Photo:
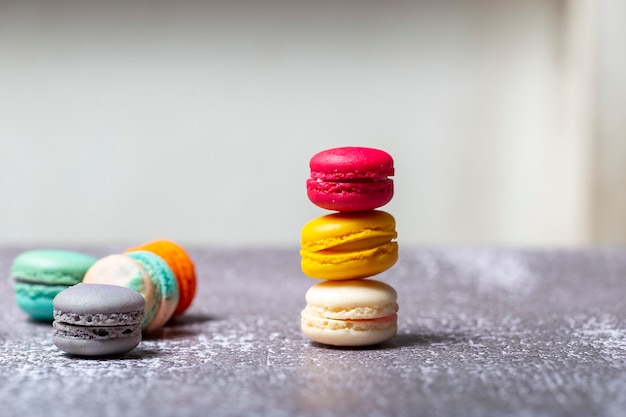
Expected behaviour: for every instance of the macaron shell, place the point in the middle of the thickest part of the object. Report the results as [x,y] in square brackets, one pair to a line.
[181,264]
[51,266]
[99,305]
[345,299]
[351,162]
[349,265]
[96,347]
[346,333]
[125,271]
[164,281]
[350,196]
[36,299]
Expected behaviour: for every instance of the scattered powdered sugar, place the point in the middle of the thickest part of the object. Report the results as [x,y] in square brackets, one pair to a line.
[494,270]
[604,332]
[481,332]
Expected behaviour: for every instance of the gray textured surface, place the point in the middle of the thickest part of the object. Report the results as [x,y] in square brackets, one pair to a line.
[482,332]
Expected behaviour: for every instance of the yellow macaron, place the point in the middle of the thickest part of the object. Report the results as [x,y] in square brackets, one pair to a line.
[344,245]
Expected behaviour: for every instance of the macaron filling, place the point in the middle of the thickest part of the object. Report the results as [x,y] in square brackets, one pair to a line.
[364,186]
[348,179]
[360,244]
[357,325]
[386,319]
[30,281]
[378,323]
[352,313]
[65,330]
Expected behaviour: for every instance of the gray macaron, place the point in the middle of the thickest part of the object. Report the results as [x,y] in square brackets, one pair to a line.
[97,319]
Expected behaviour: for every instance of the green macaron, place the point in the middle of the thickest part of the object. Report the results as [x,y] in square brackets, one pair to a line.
[39,275]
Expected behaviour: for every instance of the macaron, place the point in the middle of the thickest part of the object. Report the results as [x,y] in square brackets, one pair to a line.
[181,264]
[350,179]
[350,313]
[342,246]
[164,282]
[39,275]
[97,320]
[124,271]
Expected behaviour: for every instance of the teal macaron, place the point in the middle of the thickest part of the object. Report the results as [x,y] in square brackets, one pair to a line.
[164,282]
[39,275]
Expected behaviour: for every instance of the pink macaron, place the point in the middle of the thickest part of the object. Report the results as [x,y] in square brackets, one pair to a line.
[350,179]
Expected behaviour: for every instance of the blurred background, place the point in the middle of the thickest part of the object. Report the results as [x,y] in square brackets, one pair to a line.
[195,120]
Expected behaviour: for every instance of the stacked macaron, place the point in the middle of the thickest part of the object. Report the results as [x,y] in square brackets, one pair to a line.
[348,246]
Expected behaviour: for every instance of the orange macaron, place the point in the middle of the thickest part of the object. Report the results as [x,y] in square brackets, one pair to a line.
[181,264]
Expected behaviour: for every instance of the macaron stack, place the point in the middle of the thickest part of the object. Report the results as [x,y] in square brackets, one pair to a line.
[347,247]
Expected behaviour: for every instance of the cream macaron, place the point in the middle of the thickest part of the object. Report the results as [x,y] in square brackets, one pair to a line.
[358,312]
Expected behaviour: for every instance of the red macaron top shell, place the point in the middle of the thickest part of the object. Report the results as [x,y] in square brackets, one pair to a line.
[351,162]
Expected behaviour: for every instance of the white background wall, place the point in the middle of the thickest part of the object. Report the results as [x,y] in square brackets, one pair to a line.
[125,121]
[609,196]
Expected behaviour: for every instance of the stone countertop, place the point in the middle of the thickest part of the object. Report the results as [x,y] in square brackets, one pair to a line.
[482,332]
